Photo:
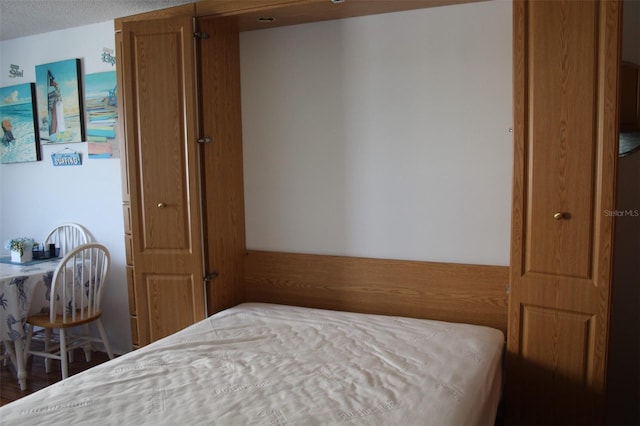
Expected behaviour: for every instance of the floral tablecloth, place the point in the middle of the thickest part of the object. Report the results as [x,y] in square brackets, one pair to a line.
[24,290]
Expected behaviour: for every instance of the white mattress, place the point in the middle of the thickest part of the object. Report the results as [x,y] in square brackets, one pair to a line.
[260,364]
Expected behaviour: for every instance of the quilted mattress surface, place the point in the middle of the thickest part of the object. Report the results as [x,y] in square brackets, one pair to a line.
[262,364]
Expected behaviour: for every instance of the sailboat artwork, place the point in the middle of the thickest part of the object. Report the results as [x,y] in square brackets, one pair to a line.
[60,102]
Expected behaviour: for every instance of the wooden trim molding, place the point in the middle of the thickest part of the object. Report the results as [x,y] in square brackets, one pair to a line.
[285,12]
[184,10]
[288,12]
[474,294]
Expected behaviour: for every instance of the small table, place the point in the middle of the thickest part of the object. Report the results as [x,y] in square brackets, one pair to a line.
[24,290]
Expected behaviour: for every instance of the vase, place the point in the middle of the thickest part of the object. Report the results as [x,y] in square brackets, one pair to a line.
[26,255]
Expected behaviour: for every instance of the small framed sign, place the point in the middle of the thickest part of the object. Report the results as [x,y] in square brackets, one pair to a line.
[66,159]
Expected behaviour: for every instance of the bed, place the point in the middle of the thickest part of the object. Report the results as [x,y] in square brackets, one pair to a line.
[269,364]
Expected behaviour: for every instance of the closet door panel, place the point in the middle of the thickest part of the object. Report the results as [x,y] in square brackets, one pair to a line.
[561,137]
[162,153]
[222,168]
[161,142]
[171,301]
[566,59]
[554,338]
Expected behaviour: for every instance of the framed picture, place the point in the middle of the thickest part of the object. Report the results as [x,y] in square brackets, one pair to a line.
[20,141]
[60,102]
[101,105]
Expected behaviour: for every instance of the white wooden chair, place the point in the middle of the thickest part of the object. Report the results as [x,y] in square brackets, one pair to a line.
[66,236]
[76,294]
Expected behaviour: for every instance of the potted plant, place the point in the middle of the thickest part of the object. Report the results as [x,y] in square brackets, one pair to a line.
[20,248]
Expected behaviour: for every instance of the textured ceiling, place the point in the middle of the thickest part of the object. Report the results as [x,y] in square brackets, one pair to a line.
[20,18]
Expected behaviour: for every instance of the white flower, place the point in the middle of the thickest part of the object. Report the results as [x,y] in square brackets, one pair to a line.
[19,244]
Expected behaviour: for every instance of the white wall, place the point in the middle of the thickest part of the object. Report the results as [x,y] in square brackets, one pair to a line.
[382,136]
[37,196]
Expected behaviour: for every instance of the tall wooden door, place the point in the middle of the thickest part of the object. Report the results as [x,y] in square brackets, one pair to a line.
[565,96]
[222,171]
[163,173]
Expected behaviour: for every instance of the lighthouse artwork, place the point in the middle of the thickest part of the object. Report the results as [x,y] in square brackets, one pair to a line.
[56,108]
[59,100]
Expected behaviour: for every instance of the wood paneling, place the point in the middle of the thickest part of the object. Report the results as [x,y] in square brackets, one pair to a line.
[561,166]
[286,12]
[221,159]
[126,217]
[126,193]
[473,294]
[160,144]
[559,338]
[122,140]
[128,249]
[566,57]
[131,288]
[177,11]
[305,11]
[173,302]
[225,7]
[134,332]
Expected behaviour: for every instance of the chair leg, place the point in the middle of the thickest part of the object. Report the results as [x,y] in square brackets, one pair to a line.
[63,354]
[70,337]
[27,345]
[103,336]
[5,354]
[87,346]
[47,347]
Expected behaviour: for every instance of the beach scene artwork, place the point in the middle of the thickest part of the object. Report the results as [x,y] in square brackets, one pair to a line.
[20,142]
[60,102]
[101,106]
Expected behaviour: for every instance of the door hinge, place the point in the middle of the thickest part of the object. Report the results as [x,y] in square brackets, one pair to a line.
[508,288]
[205,140]
[201,35]
[210,276]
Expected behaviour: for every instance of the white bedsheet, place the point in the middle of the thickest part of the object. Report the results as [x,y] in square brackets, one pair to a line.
[261,364]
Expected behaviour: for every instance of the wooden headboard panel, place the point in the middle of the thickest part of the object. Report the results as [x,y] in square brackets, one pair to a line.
[453,292]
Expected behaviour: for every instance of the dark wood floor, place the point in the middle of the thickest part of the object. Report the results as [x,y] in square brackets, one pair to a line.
[38,378]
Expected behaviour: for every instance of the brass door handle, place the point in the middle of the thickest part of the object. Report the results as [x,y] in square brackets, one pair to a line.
[161,205]
[561,215]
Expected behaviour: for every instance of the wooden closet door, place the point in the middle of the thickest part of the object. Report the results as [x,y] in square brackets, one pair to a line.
[222,175]
[565,95]
[162,152]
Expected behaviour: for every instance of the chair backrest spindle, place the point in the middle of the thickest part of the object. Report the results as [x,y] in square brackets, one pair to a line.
[66,236]
[78,282]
